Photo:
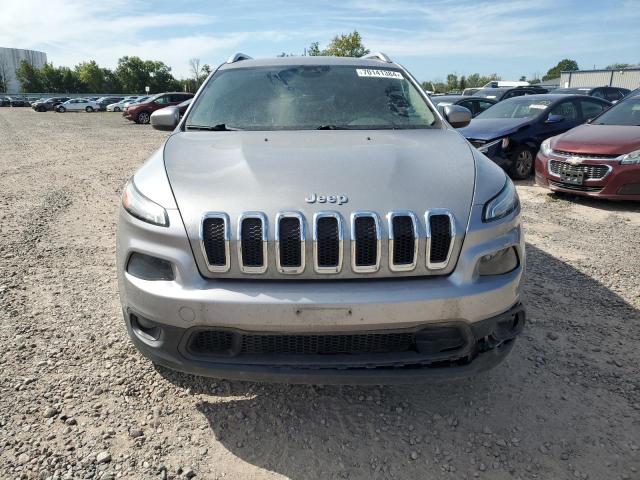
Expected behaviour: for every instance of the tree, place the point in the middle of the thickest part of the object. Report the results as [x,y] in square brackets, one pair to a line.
[565,65]
[349,45]
[4,75]
[194,65]
[29,77]
[134,74]
[452,81]
[462,84]
[618,66]
[91,76]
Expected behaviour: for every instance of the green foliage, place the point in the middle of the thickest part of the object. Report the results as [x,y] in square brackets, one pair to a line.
[349,45]
[565,65]
[29,77]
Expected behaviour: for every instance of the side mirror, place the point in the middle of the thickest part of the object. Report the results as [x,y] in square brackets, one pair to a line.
[166,118]
[456,115]
[555,118]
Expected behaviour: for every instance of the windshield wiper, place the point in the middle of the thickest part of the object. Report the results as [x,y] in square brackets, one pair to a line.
[332,127]
[221,127]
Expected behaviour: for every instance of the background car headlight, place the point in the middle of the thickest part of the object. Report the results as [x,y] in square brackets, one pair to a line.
[545,148]
[141,207]
[502,204]
[630,158]
[498,263]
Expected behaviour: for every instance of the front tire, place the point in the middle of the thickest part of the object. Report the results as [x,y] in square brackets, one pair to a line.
[88,109]
[61,109]
[522,163]
[143,117]
[116,109]
[42,109]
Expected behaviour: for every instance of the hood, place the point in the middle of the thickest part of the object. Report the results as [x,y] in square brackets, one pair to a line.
[599,139]
[490,128]
[271,172]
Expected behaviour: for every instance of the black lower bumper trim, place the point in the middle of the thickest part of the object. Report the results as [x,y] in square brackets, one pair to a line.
[490,342]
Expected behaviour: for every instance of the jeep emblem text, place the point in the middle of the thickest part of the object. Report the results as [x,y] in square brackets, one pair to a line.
[339,199]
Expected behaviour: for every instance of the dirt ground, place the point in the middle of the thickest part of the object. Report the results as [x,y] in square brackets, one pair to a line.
[78,401]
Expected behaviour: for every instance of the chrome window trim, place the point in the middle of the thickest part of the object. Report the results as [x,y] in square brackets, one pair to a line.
[609,167]
[263,219]
[338,268]
[227,247]
[427,218]
[414,221]
[365,268]
[300,217]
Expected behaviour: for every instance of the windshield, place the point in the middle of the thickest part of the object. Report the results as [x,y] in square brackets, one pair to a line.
[489,93]
[310,97]
[623,113]
[517,108]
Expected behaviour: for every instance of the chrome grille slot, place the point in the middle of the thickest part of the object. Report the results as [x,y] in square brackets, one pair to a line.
[290,242]
[252,242]
[214,240]
[327,242]
[403,241]
[440,238]
[365,242]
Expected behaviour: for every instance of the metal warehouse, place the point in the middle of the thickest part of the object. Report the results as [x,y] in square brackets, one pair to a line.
[624,78]
[10,59]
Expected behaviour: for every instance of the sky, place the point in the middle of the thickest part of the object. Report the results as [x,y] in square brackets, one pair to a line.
[431,38]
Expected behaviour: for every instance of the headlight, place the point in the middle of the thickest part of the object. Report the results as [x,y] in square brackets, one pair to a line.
[502,204]
[141,207]
[504,143]
[498,263]
[630,158]
[545,148]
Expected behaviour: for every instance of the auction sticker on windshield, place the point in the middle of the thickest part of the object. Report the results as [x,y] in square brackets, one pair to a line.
[366,72]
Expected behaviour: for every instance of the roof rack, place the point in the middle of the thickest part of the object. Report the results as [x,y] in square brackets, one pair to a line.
[378,56]
[238,57]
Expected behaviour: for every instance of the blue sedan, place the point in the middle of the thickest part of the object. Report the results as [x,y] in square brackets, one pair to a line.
[510,132]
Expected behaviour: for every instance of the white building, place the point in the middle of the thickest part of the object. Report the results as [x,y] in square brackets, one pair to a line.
[10,59]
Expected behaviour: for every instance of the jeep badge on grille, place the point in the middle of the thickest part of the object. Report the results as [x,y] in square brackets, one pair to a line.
[339,199]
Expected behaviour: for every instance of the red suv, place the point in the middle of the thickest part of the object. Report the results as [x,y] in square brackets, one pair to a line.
[598,159]
[141,112]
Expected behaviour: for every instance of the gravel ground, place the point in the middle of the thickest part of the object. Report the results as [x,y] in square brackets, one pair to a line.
[78,401]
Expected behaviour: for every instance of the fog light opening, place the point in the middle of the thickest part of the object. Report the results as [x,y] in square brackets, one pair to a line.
[498,263]
[147,267]
[508,328]
[145,328]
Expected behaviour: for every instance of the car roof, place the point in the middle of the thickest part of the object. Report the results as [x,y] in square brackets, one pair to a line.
[310,60]
[555,96]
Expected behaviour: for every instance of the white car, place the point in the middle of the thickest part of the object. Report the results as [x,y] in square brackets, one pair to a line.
[119,106]
[77,105]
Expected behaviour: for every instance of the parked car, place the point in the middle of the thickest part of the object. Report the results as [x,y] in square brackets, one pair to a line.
[141,112]
[476,105]
[104,102]
[499,94]
[19,102]
[599,159]
[78,105]
[5,102]
[48,104]
[117,106]
[469,91]
[247,249]
[510,132]
[134,100]
[612,94]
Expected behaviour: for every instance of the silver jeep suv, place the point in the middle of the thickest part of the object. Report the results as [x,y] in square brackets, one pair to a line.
[316,219]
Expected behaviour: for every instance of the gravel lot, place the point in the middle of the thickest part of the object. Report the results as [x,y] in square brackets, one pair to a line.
[77,401]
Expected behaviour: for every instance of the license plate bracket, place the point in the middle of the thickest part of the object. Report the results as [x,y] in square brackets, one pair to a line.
[574,178]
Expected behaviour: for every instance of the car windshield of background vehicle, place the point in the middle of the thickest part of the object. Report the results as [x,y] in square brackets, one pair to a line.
[624,113]
[492,93]
[517,108]
[310,97]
